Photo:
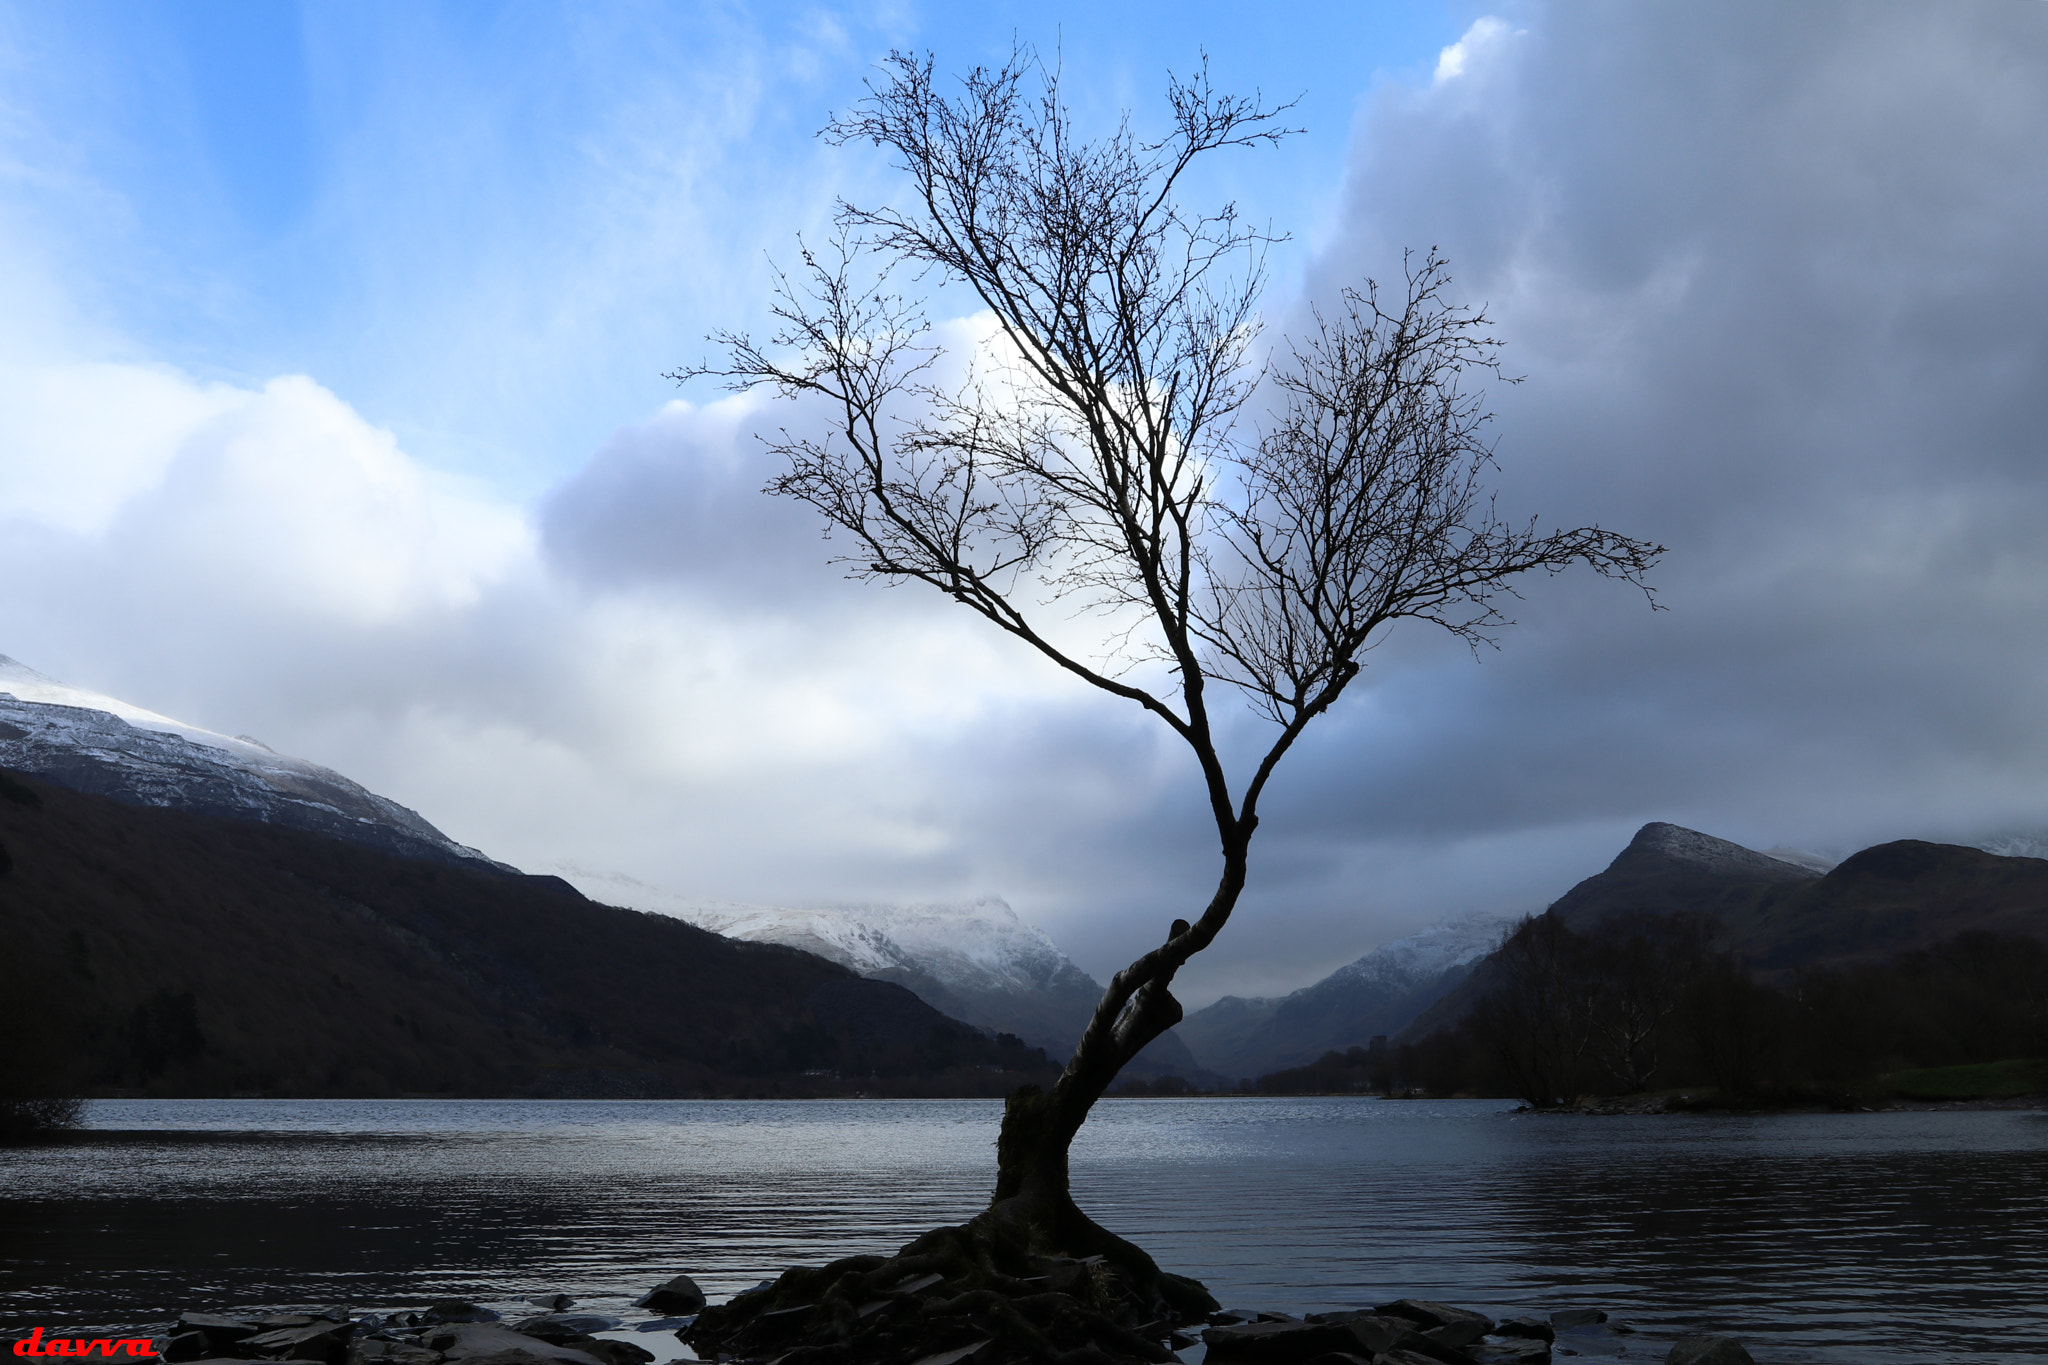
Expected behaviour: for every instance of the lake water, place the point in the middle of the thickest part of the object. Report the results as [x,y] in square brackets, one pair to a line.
[1865,1238]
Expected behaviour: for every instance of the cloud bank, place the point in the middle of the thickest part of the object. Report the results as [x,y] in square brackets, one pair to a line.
[1771,274]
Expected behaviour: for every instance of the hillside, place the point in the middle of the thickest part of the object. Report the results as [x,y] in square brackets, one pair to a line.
[1778,916]
[976,961]
[106,747]
[1378,993]
[181,953]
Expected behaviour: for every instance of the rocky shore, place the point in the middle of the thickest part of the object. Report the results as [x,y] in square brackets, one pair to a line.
[1076,1313]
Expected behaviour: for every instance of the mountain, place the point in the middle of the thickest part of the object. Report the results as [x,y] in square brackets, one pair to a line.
[1668,867]
[1777,915]
[171,952]
[105,747]
[1377,994]
[975,961]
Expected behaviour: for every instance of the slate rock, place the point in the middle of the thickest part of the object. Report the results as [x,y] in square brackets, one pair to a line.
[679,1296]
[1525,1327]
[183,1346]
[384,1351]
[217,1328]
[1282,1343]
[318,1339]
[1510,1351]
[1707,1350]
[1565,1319]
[558,1327]
[456,1310]
[554,1303]
[1432,1314]
[474,1341]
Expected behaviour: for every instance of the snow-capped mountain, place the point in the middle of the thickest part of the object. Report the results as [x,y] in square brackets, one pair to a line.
[1421,958]
[976,960]
[106,747]
[1379,993]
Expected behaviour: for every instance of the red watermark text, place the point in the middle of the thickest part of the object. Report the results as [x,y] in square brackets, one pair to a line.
[34,1345]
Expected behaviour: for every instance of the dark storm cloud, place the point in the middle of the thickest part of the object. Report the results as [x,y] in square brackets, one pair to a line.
[1772,274]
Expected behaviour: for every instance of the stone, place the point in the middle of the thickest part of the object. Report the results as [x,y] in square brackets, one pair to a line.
[614,1352]
[384,1351]
[456,1310]
[1565,1319]
[1707,1350]
[318,1339]
[473,1341]
[183,1346]
[1432,1314]
[1284,1343]
[956,1355]
[673,1299]
[1524,1327]
[1458,1334]
[561,1326]
[217,1328]
[556,1303]
[1510,1351]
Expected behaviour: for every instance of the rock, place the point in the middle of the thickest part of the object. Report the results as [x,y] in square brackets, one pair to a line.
[957,1354]
[1524,1327]
[1708,1351]
[561,1326]
[474,1341]
[680,1295]
[1399,1357]
[1511,1351]
[276,1320]
[1565,1319]
[383,1351]
[1434,1315]
[1284,1343]
[219,1330]
[554,1303]
[319,1339]
[1225,1316]
[183,1346]
[456,1310]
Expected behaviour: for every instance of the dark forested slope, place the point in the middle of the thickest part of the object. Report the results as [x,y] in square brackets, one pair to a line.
[174,953]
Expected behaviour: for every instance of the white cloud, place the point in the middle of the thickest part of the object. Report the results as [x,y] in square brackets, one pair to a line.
[1476,44]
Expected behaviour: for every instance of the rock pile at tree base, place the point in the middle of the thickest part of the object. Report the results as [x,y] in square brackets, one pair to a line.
[936,1303]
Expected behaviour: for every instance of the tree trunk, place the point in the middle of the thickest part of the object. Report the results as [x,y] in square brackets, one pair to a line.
[1033,1194]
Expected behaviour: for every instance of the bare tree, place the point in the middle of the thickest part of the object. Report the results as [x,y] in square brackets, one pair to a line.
[1100,456]
[1640,965]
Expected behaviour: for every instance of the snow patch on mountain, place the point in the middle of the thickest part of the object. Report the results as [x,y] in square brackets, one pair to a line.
[971,947]
[1409,962]
[104,746]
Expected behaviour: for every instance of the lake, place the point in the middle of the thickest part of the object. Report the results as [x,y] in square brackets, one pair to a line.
[1867,1238]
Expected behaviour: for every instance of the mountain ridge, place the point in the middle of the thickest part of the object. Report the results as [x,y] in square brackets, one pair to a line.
[103,746]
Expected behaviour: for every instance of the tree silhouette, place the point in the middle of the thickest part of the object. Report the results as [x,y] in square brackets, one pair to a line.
[1101,455]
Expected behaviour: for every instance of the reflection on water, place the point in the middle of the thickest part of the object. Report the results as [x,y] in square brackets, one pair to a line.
[1868,1238]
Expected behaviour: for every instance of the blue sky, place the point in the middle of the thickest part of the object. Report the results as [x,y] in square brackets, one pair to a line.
[331,411]
[492,228]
